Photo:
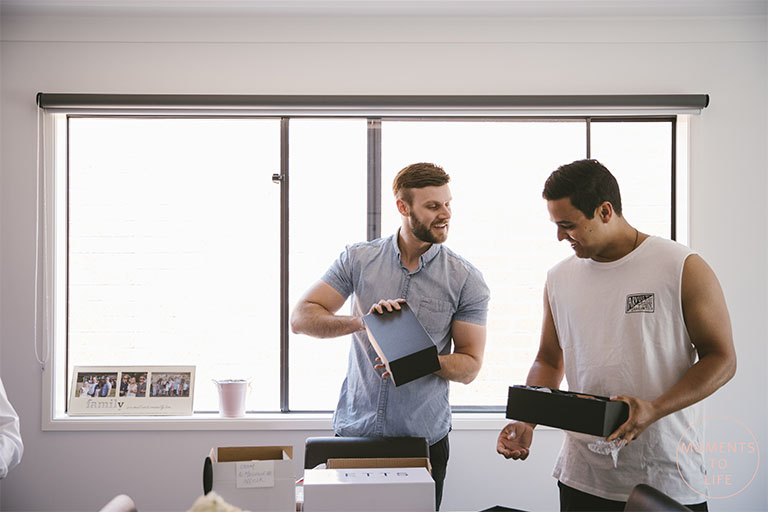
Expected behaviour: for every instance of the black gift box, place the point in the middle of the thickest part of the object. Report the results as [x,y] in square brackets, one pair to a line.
[578,412]
[402,343]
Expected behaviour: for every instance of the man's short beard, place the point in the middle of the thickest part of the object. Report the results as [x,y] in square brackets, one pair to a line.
[422,232]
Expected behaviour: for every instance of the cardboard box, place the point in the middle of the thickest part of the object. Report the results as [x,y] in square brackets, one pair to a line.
[394,462]
[397,484]
[253,477]
[402,343]
[578,412]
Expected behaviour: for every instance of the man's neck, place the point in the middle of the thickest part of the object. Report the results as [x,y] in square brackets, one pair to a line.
[411,249]
[626,241]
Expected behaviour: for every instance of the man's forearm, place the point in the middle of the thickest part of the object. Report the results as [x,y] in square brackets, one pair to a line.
[701,380]
[315,320]
[542,374]
[458,367]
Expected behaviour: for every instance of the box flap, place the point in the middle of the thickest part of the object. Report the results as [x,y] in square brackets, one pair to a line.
[402,343]
[380,462]
[397,333]
[247,453]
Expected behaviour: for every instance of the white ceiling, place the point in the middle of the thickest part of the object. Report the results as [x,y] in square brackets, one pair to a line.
[517,8]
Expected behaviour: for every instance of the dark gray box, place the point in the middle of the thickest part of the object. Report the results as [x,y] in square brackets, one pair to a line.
[402,343]
[578,412]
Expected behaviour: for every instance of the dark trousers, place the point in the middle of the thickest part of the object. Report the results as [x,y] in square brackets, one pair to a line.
[438,458]
[572,500]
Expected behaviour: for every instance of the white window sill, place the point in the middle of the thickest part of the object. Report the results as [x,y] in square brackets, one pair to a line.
[260,421]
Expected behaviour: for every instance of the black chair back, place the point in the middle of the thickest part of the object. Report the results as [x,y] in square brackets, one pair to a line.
[645,498]
[319,449]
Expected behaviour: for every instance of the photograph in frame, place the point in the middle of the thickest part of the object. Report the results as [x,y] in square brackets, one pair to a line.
[131,391]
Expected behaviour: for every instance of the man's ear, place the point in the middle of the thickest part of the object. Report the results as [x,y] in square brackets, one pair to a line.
[605,211]
[403,207]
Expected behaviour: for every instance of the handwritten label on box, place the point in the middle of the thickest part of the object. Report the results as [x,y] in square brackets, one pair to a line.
[256,473]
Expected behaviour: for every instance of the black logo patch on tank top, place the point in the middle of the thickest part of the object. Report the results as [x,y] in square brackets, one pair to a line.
[640,303]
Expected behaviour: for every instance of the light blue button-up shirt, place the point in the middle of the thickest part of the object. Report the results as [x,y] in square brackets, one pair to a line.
[445,287]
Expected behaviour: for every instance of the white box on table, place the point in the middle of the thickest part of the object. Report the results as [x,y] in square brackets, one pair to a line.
[257,478]
[341,488]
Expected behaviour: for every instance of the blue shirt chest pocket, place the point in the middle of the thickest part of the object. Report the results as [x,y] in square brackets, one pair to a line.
[436,317]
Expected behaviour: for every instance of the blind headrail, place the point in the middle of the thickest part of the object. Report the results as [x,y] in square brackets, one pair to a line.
[363,103]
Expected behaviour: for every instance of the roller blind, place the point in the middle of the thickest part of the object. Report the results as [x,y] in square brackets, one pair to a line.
[372,105]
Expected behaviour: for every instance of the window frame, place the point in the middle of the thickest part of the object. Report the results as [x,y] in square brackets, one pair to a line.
[54,416]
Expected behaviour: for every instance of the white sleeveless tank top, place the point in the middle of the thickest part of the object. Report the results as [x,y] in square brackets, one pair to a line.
[620,326]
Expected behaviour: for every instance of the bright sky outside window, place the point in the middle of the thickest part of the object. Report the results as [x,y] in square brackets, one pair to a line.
[171,222]
[328,181]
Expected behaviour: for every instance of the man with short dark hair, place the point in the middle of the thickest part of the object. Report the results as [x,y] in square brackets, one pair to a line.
[447,294]
[142,385]
[124,385]
[626,316]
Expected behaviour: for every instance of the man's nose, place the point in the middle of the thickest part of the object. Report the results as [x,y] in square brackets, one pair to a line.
[561,234]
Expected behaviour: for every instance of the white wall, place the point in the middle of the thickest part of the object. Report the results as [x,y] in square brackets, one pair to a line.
[725,57]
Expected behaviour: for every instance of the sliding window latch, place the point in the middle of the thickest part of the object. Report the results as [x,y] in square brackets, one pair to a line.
[277,178]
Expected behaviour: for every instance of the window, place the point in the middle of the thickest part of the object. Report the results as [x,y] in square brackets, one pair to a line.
[169,230]
[328,210]
[501,225]
[173,245]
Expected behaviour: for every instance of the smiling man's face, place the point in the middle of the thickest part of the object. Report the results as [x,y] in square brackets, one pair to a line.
[430,213]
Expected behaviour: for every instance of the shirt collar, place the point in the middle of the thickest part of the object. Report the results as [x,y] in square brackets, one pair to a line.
[425,258]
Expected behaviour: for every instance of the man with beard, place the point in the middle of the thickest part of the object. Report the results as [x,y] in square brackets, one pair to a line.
[447,294]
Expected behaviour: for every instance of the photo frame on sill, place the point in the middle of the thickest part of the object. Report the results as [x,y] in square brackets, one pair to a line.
[132,390]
